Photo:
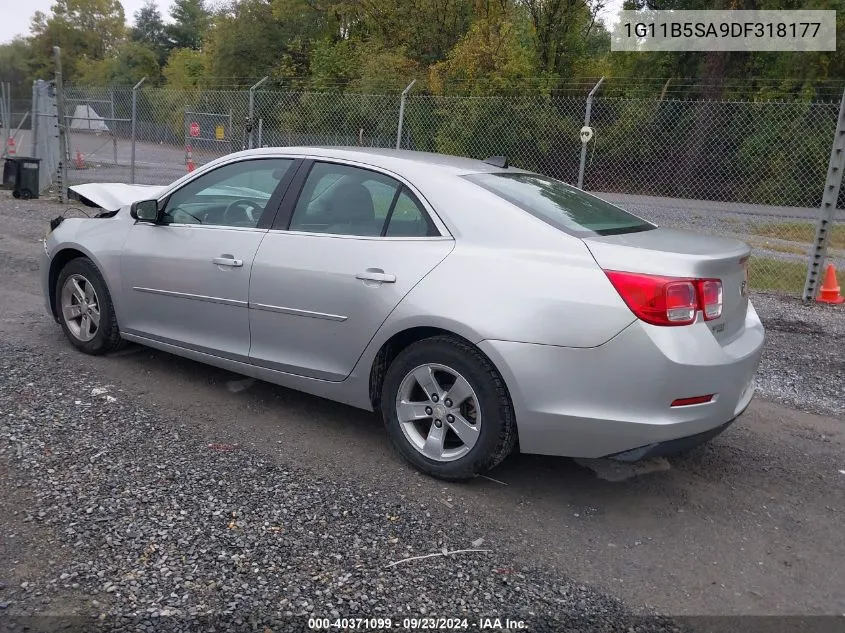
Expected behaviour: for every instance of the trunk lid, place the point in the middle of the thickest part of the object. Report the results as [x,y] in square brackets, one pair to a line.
[112,196]
[676,253]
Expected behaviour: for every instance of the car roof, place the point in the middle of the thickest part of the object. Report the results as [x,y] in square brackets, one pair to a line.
[395,159]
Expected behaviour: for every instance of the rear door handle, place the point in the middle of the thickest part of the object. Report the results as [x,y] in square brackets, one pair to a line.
[228,261]
[376,274]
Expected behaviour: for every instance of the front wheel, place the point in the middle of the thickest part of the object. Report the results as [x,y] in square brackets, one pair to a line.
[85,309]
[447,409]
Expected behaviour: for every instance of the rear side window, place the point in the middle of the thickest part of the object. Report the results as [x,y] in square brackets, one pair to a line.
[346,200]
[563,206]
[408,218]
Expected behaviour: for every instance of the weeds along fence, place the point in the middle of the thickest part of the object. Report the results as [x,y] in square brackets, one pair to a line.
[752,169]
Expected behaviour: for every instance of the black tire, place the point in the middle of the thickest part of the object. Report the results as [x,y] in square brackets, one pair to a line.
[498,433]
[16,193]
[107,337]
[26,194]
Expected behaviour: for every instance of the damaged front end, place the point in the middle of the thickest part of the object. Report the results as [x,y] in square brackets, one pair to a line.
[112,196]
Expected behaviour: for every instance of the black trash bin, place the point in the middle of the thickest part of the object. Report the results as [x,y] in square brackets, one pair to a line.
[10,173]
[20,174]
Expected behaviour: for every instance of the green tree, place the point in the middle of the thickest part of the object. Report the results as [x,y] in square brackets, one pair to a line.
[561,31]
[132,62]
[363,67]
[191,19]
[247,41]
[492,57]
[16,65]
[425,30]
[332,64]
[149,29]
[86,30]
[313,20]
[185,68]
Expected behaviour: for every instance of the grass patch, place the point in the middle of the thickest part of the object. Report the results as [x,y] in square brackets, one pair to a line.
[765,273]
[793,249]
[800,232]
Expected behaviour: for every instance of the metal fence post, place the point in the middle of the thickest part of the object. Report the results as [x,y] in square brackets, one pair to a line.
[827,210]
[8,117]
[134,122]
[5,118]
[402,112]
[64,151]
[251,116]
[35,119]
[586,124]
[113,127]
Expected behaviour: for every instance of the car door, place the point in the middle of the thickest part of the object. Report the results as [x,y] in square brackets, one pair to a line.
[186,277]
[323,282]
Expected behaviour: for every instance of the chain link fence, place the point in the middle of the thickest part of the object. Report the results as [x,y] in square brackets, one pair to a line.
[752,170]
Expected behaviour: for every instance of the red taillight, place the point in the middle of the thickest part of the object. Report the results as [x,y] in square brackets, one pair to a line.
[668,300]
[680,301]
[710,293]
[685,402]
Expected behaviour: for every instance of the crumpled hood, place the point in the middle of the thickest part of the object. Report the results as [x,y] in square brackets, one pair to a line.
[111,196]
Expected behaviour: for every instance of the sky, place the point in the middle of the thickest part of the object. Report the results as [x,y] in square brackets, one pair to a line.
[17,14]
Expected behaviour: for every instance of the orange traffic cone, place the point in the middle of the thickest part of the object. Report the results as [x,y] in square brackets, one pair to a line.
[189,158]
[80,160]
[829,292]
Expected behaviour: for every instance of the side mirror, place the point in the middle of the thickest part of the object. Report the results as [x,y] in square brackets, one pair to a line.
[145,211]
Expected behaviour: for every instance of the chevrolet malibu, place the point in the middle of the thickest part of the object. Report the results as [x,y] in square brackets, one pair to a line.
[476,306]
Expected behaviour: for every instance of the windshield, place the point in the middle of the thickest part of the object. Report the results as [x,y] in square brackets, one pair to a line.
[561,205]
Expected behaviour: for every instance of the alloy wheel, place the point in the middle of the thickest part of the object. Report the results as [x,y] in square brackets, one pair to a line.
[80,307]
[438,412]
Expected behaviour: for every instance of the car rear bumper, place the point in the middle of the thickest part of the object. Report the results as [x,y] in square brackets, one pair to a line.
[615,399]
[670,447]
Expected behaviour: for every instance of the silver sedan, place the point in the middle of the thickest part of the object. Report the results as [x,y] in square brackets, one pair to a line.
[474,305]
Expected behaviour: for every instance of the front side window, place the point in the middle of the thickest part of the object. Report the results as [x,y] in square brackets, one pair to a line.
[345,200]
[563,206]
[233,195]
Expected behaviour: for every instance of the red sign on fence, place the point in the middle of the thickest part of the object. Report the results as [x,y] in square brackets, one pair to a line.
[195,129]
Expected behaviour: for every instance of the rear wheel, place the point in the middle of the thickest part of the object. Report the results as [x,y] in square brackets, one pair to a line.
[447,410]
[85,309]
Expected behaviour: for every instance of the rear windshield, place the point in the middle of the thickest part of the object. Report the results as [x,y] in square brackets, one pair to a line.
[564,207]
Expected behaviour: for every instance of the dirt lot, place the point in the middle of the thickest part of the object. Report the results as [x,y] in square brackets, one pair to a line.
[132,479]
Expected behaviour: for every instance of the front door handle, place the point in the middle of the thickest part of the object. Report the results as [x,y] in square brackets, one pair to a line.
[376,274]
[228,261]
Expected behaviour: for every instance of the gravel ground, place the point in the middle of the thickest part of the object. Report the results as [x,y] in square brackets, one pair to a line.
[803,364]
[160,529]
